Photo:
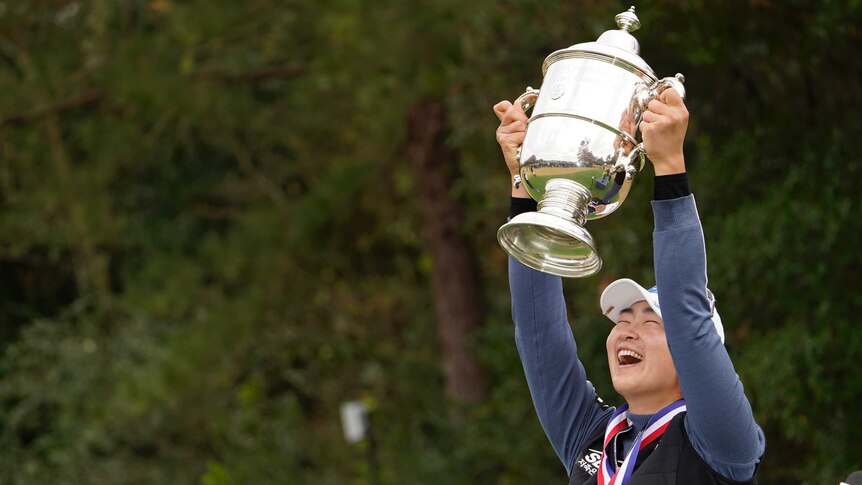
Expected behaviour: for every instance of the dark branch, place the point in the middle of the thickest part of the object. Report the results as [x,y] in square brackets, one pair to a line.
[83,99]
[250,75]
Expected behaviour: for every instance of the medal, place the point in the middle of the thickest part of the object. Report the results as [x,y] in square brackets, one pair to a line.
[654,429]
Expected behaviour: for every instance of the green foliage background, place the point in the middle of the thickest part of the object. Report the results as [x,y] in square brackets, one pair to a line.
[209,238]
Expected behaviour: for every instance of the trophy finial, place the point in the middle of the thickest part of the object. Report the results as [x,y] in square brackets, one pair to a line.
[628,21]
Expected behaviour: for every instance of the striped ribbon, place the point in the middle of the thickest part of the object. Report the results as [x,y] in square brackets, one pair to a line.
[654,429]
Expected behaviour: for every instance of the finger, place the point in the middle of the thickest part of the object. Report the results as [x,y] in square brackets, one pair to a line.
[650,117]
[513,127]
[515,113]
[671,97]
[501,108]
[511,139]
[657,106]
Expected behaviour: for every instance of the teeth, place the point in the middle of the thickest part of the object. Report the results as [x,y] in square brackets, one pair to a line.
[629,353]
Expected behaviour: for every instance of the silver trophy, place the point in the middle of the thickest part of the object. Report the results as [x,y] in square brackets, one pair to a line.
[582,148]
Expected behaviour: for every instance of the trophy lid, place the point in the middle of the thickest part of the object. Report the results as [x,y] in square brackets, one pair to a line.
[618,44]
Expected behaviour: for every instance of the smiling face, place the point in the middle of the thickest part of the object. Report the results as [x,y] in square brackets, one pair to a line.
[641,366]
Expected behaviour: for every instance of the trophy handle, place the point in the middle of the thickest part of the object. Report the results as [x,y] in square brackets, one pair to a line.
[670,82]
[525,103]
[648,93]
[633,162]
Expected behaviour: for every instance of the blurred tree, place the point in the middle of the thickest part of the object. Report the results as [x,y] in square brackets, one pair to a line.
[211,232]
[454,272]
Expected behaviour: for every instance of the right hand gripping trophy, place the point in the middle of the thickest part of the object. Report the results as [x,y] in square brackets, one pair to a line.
[581,151]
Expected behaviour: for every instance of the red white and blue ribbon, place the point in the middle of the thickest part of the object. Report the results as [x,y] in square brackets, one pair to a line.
[654,429]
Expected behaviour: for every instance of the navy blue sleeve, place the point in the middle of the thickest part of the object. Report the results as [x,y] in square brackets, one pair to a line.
[565,401]
[719,420]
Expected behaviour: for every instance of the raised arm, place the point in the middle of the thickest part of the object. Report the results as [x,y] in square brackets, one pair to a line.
[565,401]
[719,421]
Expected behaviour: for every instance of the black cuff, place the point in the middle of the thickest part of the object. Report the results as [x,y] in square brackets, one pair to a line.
[519,205]
[671,186]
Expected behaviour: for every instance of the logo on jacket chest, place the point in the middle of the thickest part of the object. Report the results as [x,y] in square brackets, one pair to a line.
[590,461]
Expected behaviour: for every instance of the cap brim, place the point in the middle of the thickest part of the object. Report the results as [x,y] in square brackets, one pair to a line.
[621,295]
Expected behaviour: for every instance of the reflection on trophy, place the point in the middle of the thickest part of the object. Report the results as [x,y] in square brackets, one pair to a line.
[581,151]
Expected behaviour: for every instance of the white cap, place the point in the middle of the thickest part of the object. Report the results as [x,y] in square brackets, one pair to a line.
[623,293]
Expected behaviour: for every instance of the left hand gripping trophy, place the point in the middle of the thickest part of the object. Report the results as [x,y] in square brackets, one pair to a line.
[581,151]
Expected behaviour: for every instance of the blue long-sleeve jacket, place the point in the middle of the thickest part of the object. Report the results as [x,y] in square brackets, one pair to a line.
[719,420]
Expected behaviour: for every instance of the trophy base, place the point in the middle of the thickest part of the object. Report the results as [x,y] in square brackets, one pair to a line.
[550,244]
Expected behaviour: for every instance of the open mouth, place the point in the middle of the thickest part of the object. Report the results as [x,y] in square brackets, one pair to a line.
[629,357]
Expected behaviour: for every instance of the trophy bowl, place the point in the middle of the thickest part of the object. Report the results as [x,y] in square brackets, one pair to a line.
[582,149]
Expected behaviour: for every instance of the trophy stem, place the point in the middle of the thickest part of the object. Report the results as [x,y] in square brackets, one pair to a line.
[553,239]
[566,199]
